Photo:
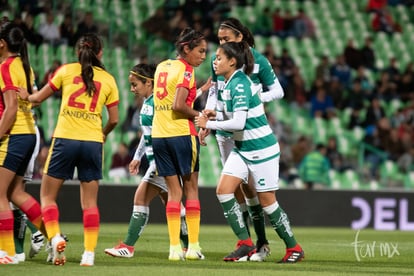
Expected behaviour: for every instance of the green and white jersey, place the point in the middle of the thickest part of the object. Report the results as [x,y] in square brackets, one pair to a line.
[262,75]
[256,142]
[146,117]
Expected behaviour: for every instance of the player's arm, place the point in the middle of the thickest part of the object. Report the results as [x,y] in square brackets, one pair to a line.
[113,117]
[36,98]
[139,153]
[275,92]
[237,123]
[180,105]
[10,111]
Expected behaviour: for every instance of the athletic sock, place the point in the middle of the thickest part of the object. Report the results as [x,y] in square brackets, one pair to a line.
[173,222]
[183,229]
[246,216]
[19,230]
[233,215]
[90,228]
[192,217]
[6,232]
[280,223]
[137,223]
[31,227]
[258,219]
[51,220]
[33,211]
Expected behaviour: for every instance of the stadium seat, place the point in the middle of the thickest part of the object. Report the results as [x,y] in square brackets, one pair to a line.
[390,175]
[409,181]
[350,180]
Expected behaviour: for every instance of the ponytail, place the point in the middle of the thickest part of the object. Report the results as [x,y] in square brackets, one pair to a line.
[24,55]
[17,44]
[88,48]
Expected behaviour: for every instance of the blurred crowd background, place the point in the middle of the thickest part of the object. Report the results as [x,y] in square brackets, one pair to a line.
[347,118]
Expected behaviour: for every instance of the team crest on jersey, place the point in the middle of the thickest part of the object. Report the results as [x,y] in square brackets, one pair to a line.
[187,75]
[240,88]
[147,110]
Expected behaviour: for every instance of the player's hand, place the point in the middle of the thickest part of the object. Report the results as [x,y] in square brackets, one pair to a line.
[202,134]
[134,167]
[23,93]
[211,114]
[201,121]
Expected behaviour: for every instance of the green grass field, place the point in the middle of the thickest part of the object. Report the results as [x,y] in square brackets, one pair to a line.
[328,251]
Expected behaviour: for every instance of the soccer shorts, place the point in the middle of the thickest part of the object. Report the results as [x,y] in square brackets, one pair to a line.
[66,154]
[265,175]
[225,144]
[15,152]
[152,178]
[28,175]
[176,155]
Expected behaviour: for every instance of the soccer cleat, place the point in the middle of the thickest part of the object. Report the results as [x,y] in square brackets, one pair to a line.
[293,255]
[36,243]
[175,254]
[5,259]
[241,254]
[21,257]
[194,254]
[88,258]
[58,250]
[262,251]
[121,250]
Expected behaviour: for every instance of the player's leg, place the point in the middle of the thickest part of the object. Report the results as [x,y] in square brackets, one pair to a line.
[20,220]
[7,247]
[268,172]
[91,218]
[258,220]
[234,173]
[183,228]
[49,190]
[192,216]
[173,211]
[144,194]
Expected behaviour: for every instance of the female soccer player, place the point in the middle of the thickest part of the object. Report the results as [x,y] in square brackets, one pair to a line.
[17,134]
[141,78]
[256,152]
[78,140]
[263,77]
[174,139]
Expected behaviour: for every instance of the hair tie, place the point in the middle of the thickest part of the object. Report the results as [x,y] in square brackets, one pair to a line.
[87,44]
[141,76]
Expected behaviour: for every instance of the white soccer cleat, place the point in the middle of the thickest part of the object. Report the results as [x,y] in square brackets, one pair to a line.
[36,243]
[261,254]
[176,254]
[88,258]
[194,253]
[121,250]
[58,250]
[21,257]
[5,259]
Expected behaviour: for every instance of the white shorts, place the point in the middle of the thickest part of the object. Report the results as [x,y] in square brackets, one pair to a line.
[265,175]
[152,178]
[225,144]
[28,175]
